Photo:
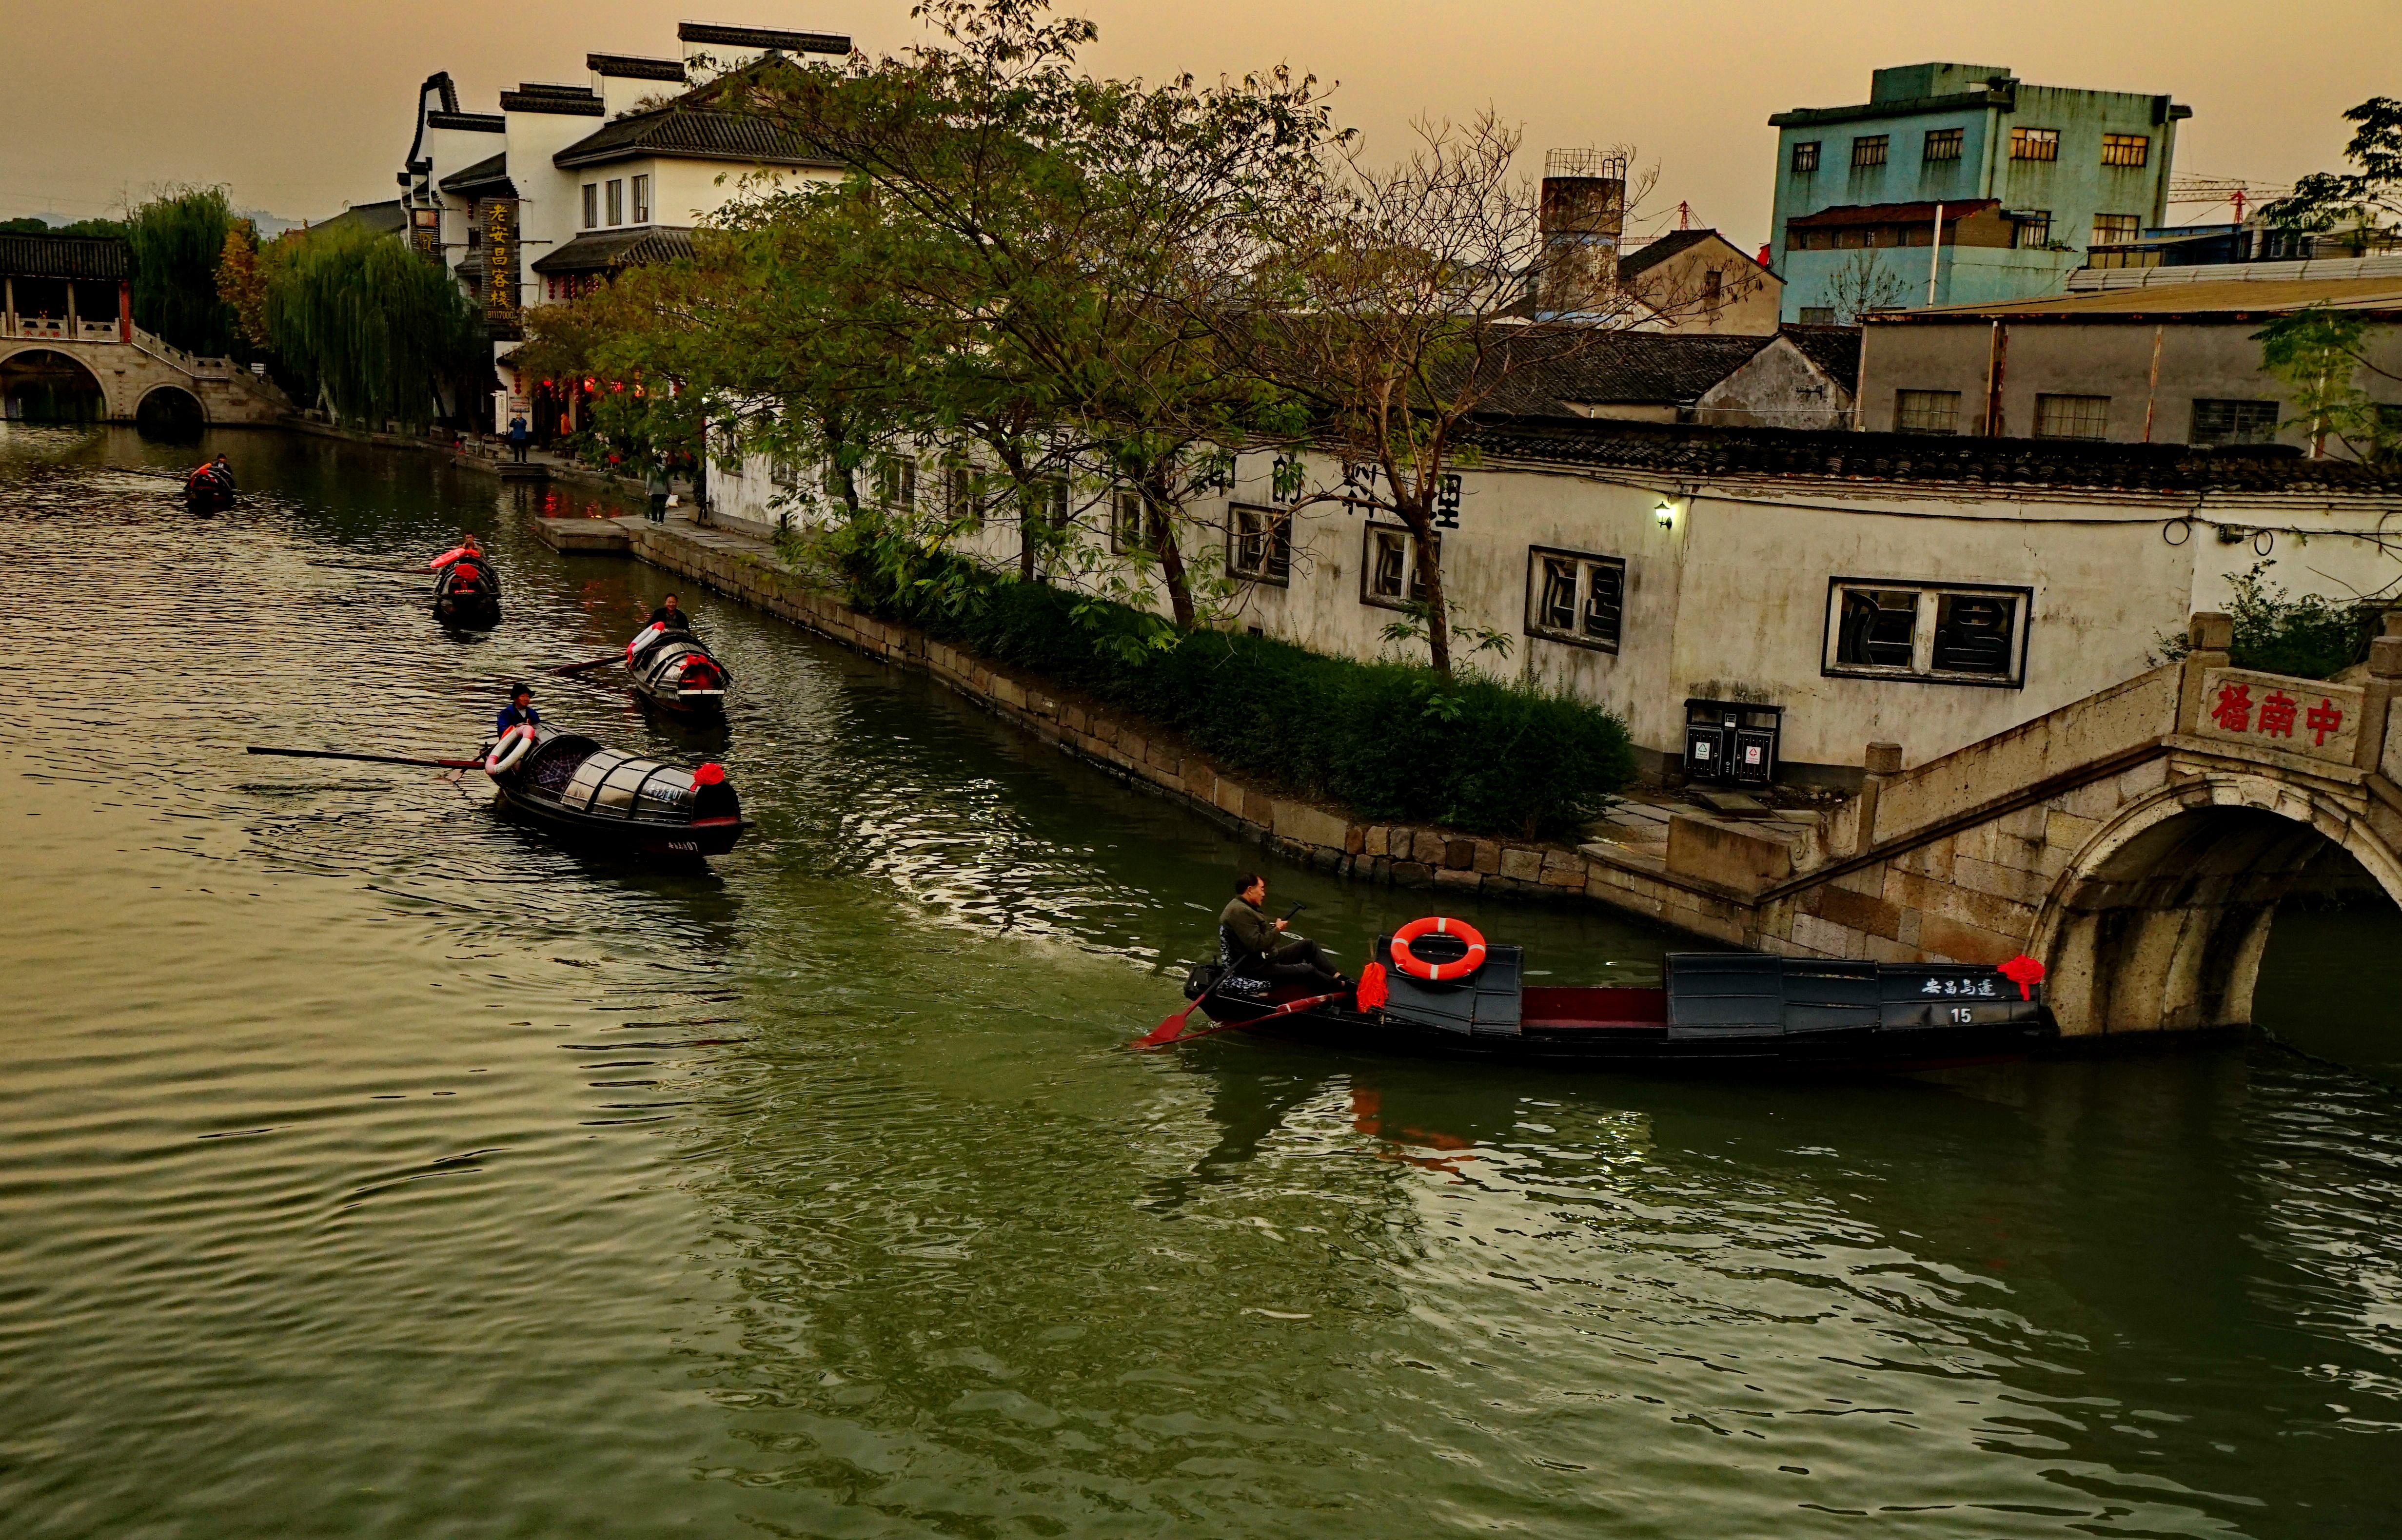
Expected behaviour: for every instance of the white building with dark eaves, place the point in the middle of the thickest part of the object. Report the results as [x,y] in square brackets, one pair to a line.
[569,183]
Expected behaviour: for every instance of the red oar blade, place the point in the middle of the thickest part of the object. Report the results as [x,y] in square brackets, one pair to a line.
[1161,1037]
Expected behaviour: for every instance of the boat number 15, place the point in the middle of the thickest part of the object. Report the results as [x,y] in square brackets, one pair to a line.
[1963,1016]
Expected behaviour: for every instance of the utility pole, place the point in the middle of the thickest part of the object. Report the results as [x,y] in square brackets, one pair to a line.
[1935,259]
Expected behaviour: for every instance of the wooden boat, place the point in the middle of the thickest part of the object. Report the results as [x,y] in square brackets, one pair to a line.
[676,671]
[468,595]
[1716,1012]
[575,788]
[208,491]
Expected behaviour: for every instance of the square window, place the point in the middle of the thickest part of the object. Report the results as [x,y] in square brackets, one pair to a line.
[2126,149]
[617,200]
[1259,544]
[1878,628]
[2072,416]
[641,199]
[1817,315]
[2034,229]
[1806,157]
[1389,567]
[1126,522]
[1575,598]
[1868,151]
[591,205]
[2035,143]
[1974,632]
[2117,229]
[1927,412]
[2234,423]
[1944,143]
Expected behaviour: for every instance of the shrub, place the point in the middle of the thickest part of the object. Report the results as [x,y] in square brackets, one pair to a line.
[2313,637]
[1388,741]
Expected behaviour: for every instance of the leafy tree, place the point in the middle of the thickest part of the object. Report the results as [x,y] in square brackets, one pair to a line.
[2312,637]
[178,239]
[2369,199]
[370,327]
[242,283]
[2320,354]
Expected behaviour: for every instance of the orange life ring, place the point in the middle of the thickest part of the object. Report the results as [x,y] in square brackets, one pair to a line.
[1435,973]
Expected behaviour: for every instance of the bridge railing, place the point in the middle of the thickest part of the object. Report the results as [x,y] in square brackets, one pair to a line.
[191,363]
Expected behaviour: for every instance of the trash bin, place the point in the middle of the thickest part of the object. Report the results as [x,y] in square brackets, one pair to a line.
[1731,742]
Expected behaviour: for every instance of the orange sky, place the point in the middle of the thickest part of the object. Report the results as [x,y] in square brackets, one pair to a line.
[301,104]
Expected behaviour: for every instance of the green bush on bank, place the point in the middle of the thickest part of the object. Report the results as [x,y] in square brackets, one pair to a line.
[2313,637]
[1388,741]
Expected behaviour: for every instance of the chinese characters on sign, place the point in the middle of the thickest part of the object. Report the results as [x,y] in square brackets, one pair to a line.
[2319,721]
[1446,504]
[1980,989]
[500,265]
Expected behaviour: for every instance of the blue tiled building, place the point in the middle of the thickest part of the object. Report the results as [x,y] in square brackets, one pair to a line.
[2029,177]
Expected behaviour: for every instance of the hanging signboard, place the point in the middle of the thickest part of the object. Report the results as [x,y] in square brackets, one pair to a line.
[501,264]
[2317,721]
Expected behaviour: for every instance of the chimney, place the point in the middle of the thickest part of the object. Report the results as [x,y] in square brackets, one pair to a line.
[1583,217]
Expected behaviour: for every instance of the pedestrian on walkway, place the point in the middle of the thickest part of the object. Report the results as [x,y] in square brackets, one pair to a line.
[520,435]
[658,489]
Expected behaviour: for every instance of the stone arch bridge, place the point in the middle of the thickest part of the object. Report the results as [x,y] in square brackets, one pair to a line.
[133,370]
[2137,842]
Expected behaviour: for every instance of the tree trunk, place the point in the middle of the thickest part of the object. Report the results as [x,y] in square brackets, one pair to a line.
[1438,619]
[1159,528]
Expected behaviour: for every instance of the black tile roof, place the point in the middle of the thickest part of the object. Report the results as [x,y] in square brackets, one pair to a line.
[761,37]
[100,257]
[1695,452]
[691,132]
[633,66]
[1833,348]
[606,251]
[487,178]
[559,100]
[387,218]
[473,123]
[1607,368]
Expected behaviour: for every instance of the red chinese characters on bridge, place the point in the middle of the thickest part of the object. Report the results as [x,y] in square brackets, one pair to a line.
[2237,713]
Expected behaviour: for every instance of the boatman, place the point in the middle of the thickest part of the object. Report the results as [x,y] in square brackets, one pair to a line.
[1261,947]
[670,616]
[466,548]
[519,712]
[211,470]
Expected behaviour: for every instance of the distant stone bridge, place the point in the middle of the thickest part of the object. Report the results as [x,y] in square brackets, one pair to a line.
[2137,842]
[135,373]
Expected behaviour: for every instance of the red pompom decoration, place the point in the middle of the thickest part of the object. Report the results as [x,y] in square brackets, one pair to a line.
[711,773]
[1372,993]
[2024,971]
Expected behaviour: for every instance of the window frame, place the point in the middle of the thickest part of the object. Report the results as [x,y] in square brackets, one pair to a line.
[1122,500]
[1587,564]
[1805,157]
[640,194]
[1941,145]
[1930,593]
[2041,145]
[591,205]
[895,484]
[614,194]
[2141,144]
[2125,230]
[1870,150]
[2193,423]
[1276,545]
[963,497]
[1412,591]
[1901,403]
[2031,234]
[2043,396]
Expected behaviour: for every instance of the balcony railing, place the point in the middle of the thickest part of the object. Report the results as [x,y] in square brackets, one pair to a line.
[57,328]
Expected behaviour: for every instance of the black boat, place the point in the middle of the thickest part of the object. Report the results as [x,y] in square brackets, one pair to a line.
[209,490]
[675,669]
[574,787]
[1718,1011]
[468,595]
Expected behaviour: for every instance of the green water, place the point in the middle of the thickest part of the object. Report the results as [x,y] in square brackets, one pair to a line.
[372,1167]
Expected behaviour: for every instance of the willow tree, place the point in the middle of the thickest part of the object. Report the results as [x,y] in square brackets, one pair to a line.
[178,239]
[377,331]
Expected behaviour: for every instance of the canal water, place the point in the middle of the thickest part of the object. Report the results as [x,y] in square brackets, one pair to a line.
[372,1167]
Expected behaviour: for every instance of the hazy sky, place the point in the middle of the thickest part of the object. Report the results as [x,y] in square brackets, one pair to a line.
[302,104]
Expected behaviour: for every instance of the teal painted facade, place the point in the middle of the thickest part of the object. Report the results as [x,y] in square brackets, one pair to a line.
[1982,105]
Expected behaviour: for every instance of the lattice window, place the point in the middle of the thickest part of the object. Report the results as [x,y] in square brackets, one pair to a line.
[1944,143]
[2234,423]
[1806,157]
[2035,143]
[2117,229]
[2072,416]
[1869,150]
[1927,412]
[2126,149]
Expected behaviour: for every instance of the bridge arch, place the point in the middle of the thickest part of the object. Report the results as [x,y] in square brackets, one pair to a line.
[170,411]
[2160,921]
[39,384]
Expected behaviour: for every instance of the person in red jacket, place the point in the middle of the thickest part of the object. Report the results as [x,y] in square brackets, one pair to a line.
[466,548]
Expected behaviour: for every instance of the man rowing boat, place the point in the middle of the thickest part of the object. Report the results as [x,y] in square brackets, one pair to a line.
[1258,947]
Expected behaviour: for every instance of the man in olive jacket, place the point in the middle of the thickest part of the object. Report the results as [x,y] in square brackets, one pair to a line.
[1257,945]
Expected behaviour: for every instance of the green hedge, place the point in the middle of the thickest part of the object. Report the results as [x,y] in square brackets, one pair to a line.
[1388,741]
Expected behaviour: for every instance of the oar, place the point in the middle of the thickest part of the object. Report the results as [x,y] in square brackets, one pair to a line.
[585,667]
[1160,1033]
[362,567]
[367,759]
[128,470]
[1160,1037]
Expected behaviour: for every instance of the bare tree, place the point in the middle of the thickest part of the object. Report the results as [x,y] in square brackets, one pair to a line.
[1862,282]
[1401,303]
